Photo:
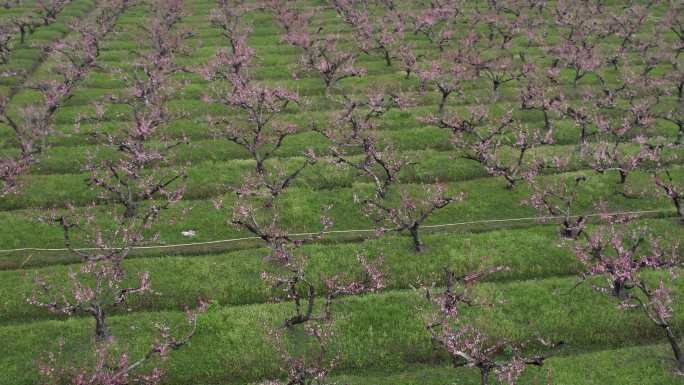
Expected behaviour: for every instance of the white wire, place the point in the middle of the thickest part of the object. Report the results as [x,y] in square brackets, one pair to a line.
[541,218]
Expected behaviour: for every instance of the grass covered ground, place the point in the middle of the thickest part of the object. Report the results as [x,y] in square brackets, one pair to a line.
[381,337]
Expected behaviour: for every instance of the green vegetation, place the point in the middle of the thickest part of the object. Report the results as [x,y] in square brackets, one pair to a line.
[381,337]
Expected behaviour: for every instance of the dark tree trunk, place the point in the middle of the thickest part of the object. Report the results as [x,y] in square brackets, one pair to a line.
[510,182]
[484,374]
[417,242]
[583,134]
[131,210]
[619,290]
[547,122]
[328,86]
[442,103]
[570,230]
[495,91]
[680,209]
[623,176]
[101,332]
[578,76]
[675,348]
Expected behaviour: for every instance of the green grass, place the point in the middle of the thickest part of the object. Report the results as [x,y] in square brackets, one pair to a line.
[234,278]
[301,209]
[629,366]
[209,179]
[431,145]
[377,331]
[381,337]
[26,58]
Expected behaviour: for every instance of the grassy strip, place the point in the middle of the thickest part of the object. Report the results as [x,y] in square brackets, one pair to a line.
[301,210]
[211,179]
[400,127]
[374,331]
[188,102]
[408,142]
[634,365]
[16,9]
[234,278]
[269,68]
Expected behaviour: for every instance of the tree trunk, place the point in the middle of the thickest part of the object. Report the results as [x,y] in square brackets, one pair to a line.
[547,123]
[328,86]
[442,102]
[675,348]
[572,229]
[495,91]
[510,182]
[417,242]
[101,332]
[680,209]
[618,290]
[583,135]
[130,210]
[623,176]
[388,58]
[484,373]
[568,230]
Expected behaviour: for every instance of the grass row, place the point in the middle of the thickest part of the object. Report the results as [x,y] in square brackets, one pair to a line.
[120,55]
[209,178]
[234,278]
[100,83]
[16,9]
[374,331]
[426,144]
[301,208]
[403,128]
[628,366]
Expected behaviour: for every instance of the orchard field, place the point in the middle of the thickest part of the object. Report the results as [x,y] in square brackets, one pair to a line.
[341,192]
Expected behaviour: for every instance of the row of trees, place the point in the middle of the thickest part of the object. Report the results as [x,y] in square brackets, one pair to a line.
[143,179]
[136,181]
[32,126]
[44,14]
